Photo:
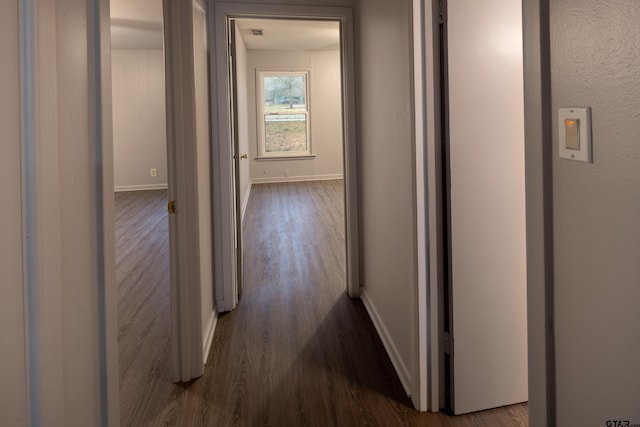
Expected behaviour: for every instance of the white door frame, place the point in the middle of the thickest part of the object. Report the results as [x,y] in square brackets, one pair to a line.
[223,189]
[427,393]
[539,200]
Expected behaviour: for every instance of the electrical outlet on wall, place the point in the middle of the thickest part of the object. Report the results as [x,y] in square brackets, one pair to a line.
[154,172]
[286,173]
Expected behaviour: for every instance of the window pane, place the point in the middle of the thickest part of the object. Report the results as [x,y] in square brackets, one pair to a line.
[285,94]
[285,133]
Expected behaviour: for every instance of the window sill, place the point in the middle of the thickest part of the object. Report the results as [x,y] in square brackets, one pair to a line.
[278,158]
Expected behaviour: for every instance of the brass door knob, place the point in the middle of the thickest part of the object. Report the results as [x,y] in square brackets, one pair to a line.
[244,156]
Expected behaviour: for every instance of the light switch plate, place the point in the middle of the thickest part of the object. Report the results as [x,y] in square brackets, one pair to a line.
[583,116]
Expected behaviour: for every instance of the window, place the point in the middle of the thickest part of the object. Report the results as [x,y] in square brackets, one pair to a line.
[283,114]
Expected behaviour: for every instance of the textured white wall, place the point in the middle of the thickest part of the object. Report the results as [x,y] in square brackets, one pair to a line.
[595,61]
[325,107]
[139,121]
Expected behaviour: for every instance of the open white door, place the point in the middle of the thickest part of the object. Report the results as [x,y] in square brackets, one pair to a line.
[488,302]
[235,151]
[188,145]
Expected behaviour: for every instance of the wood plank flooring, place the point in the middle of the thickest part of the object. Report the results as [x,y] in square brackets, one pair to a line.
[142,275]
[296,352]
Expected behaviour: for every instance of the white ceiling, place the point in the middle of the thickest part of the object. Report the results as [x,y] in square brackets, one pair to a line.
[290,34]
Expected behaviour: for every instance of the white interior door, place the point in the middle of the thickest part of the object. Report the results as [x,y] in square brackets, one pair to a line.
[188,145]
[487,205]
[235,165]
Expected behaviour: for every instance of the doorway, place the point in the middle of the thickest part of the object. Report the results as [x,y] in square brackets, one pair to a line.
[287,99]
[230,157]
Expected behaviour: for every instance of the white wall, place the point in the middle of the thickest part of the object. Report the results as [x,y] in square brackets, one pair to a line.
[87,247]
[139,129]
[325,100]
[388,258]
[13,387]
[243,121]
[595,61]
[58,320]
[203,142]
[326,108]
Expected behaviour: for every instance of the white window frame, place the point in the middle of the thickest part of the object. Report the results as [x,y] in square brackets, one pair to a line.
[260,103]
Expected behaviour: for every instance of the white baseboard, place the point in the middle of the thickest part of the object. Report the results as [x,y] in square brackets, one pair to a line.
[144,187]
[208,334]
[387,341]
[297,178]
[245,202]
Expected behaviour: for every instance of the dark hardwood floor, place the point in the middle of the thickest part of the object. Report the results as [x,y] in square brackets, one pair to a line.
[142,275]
[297,351]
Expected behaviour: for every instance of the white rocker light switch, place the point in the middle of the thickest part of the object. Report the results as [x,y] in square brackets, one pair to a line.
[574,128]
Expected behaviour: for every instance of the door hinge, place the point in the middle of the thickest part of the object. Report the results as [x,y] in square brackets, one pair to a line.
[171,207]
[447,341]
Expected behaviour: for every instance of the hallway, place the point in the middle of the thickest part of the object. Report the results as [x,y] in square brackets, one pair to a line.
[301,348]
[297,350]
